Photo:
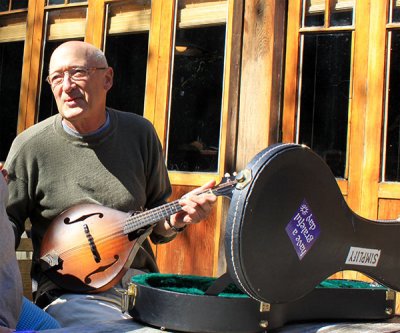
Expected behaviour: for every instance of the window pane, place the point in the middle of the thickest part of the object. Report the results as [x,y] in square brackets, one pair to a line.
[47,104]
[194,128]
[342,13]
[127,54]
[392,167]
[314,13]
[56,2]
[61,25]
[61,2]
[324,99]
[396,11]
[4,5]
[11,55]
[13,28]
[66,23]
[19,4]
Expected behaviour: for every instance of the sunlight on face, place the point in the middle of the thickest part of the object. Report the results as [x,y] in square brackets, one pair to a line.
[81,102]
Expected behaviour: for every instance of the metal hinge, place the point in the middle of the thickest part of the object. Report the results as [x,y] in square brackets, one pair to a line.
[128,297]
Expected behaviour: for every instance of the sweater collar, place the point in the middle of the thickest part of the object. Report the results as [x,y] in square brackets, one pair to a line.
[91,139]
[72,132]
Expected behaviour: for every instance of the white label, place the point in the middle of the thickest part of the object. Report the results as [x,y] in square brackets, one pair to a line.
[363,257]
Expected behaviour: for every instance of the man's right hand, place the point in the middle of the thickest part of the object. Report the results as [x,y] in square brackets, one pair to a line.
[3,187]
[4,172]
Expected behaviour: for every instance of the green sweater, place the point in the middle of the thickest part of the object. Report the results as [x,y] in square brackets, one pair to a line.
[50,170]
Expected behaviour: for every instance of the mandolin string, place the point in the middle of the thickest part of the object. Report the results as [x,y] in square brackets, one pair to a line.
[138,221]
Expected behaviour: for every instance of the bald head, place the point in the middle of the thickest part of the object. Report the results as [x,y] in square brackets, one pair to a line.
[82,50]
[81,99]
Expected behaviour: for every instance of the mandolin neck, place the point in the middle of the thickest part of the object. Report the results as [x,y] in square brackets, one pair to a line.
[151,216]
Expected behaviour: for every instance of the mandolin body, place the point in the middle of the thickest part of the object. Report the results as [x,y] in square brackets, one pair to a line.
[86,250]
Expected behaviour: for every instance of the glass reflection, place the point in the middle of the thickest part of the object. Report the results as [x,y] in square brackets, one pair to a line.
[127,55]
[395,11]
[195,118]
[11,56]
[314,13]
[4,5]
[392,167]
[342,13]
[324,100]
[19,4]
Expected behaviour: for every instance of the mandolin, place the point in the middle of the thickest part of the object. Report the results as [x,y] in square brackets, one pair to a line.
[89,247]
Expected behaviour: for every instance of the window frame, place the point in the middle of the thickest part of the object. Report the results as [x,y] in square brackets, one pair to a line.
[361,188]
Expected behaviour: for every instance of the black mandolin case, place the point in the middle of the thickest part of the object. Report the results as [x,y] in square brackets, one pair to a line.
[288,229]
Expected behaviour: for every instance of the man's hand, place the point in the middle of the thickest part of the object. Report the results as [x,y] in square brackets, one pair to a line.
[4,172]
[195,206]
[3,186]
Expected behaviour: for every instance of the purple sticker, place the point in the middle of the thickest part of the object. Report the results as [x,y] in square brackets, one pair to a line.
[303,229]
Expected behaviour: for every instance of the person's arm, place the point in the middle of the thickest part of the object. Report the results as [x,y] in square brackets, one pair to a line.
[10,277]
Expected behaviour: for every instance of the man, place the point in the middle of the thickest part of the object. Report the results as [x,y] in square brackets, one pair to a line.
[89,153]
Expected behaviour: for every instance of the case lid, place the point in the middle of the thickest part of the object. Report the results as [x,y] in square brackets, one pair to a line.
[281,229]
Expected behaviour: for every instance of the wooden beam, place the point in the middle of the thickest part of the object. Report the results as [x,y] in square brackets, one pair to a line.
[260,91]
[158,82]
[31,65]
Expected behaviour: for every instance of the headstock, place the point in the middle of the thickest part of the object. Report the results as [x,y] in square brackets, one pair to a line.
[226,186]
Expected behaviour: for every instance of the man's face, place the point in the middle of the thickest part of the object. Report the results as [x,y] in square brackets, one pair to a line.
[83,99]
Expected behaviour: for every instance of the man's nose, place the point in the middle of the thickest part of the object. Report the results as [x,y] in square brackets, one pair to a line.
[67,83]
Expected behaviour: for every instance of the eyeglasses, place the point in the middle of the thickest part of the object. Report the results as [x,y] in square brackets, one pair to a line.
[74,73]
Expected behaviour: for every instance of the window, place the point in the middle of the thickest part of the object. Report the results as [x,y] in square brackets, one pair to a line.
[196,94]
[324,72]
[126,49]
[196,99]
[392,165]
[391,155]
[324,100]
[63,2]
[340,13]
[10,5]
[61,25]
[12,35]
[11,55]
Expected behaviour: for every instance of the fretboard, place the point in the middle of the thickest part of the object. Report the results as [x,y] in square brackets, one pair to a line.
[149,217]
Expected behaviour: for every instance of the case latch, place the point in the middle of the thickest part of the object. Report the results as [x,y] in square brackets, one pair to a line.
[243,179]
[264,307]
[128,297]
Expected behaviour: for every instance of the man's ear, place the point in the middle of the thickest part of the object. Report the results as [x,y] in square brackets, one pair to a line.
[108,78]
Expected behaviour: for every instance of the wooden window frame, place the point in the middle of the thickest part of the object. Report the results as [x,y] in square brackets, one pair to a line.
[366,93]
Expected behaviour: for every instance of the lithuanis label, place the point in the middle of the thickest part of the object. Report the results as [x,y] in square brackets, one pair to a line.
[363,257]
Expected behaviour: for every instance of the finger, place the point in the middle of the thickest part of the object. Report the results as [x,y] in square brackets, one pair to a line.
[5,174]
[197,208]
[202,188]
